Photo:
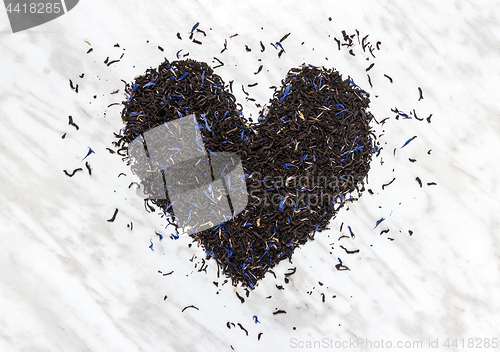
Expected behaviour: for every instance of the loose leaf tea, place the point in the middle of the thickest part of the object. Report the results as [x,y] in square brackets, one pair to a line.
[311,147]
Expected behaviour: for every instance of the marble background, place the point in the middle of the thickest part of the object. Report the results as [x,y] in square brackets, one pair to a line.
[72,281]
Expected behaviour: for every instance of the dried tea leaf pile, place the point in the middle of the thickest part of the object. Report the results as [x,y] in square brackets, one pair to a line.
[310,149]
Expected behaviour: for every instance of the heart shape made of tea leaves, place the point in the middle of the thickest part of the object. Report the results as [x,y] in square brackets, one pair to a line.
[311,148]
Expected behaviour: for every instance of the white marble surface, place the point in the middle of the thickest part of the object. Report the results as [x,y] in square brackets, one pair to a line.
[71,281]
